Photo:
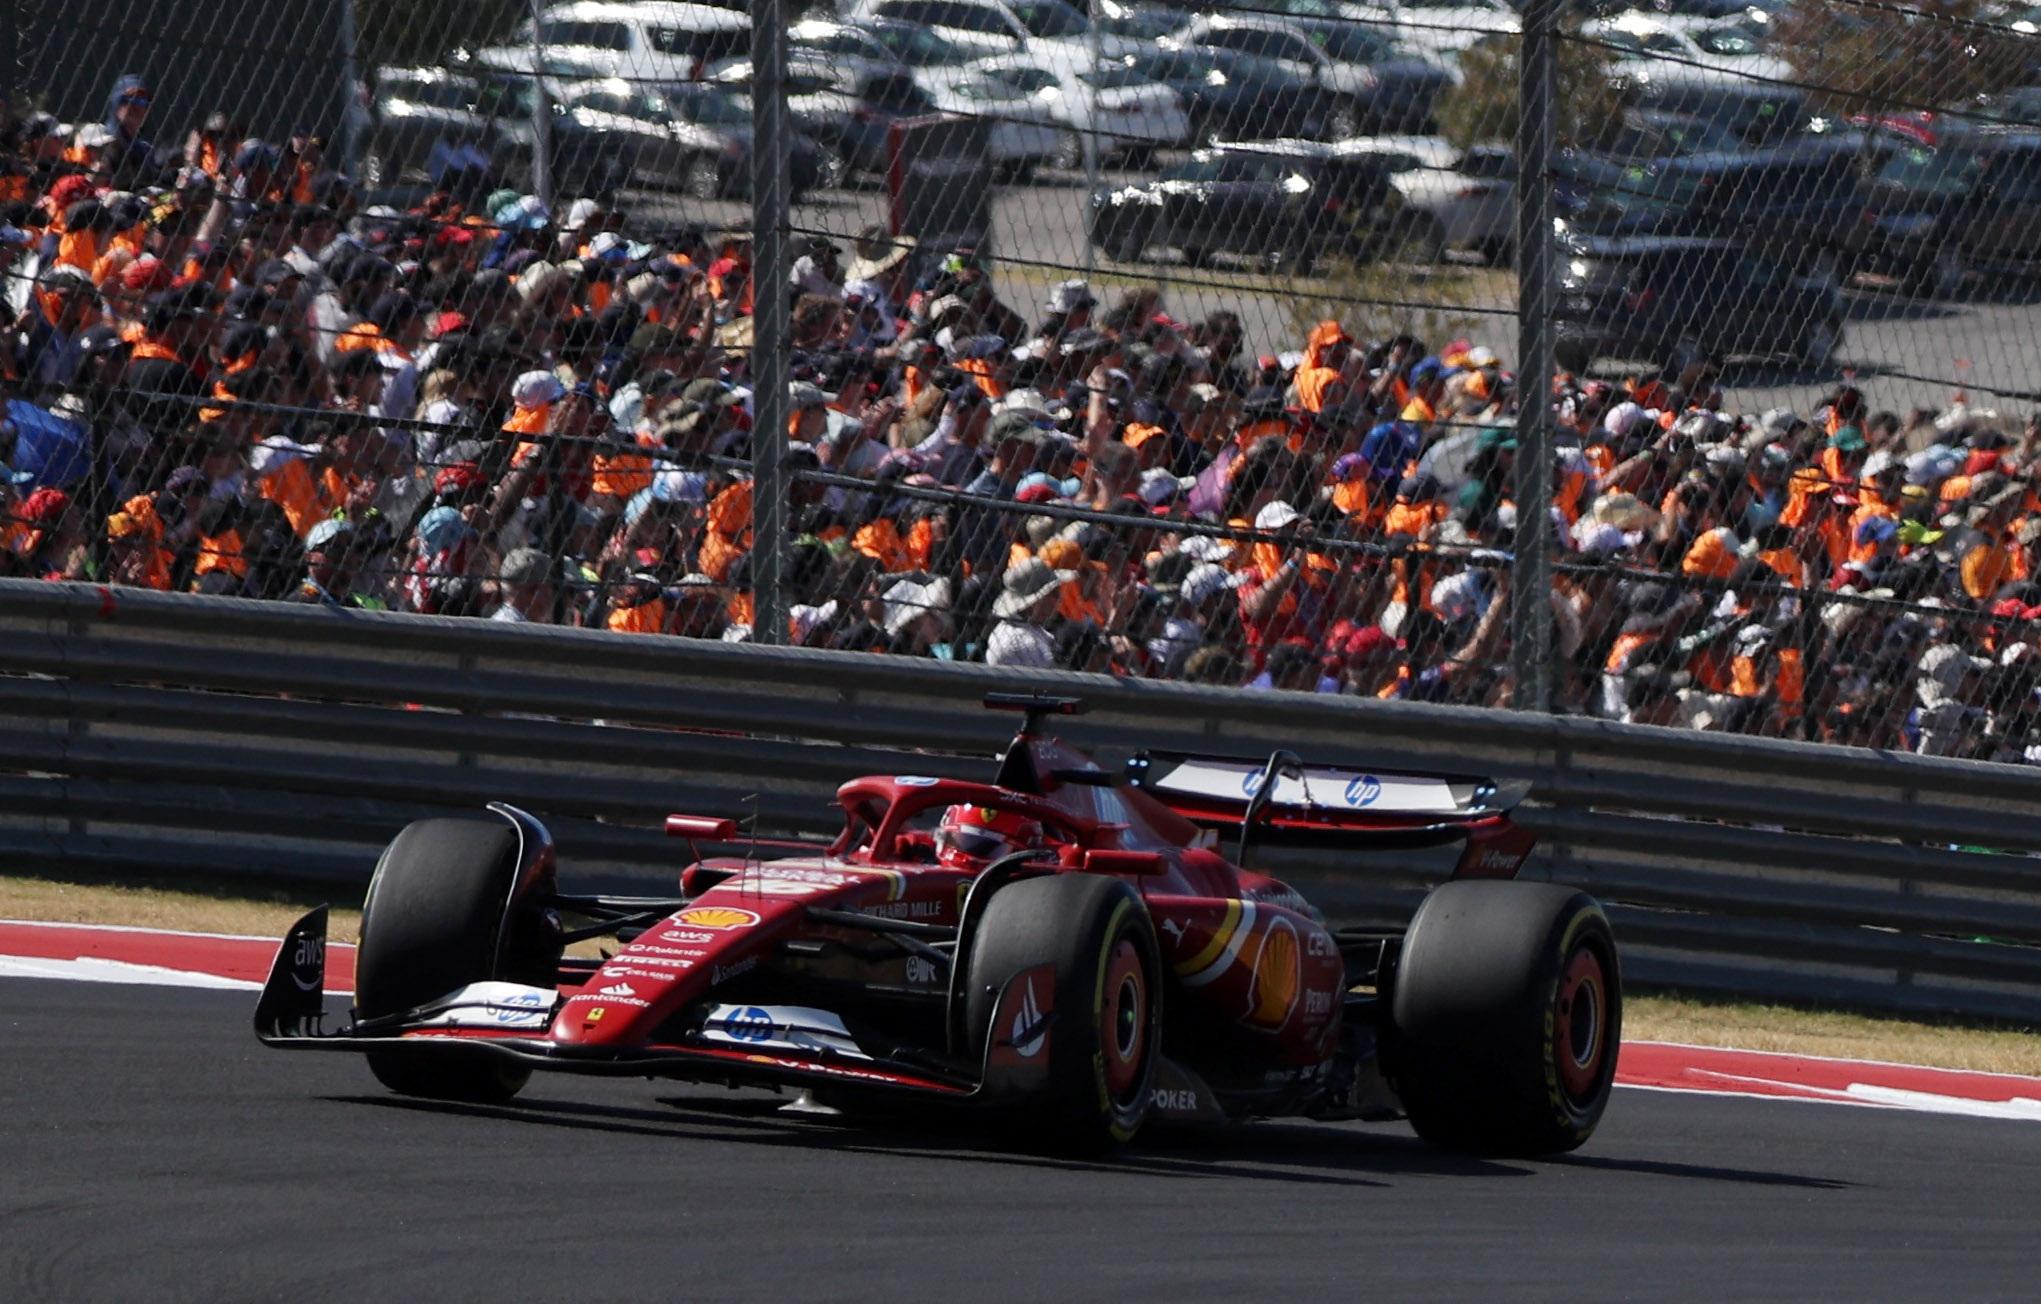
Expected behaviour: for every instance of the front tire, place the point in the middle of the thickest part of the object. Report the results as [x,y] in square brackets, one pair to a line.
[1507,1017]
[435,921]
[1083,1085]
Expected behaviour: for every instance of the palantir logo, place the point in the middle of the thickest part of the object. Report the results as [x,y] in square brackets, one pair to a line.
[1363,790]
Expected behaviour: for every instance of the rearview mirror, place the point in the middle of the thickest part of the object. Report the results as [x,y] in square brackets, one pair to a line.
[704,828]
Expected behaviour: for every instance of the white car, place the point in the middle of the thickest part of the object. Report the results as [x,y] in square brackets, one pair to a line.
[883,40]
[1027,131]
[1132,115]
[1671,50]
[1374,85]
[648,39]
[1050,33]
[1468,193]
[1436,27]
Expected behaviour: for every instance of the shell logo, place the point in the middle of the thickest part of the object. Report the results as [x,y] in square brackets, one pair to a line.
[717,917]
[1277,976]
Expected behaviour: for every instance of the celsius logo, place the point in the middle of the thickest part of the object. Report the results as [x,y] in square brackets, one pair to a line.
[1363,790]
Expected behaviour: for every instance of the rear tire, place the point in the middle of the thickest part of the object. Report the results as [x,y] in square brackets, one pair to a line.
[1104,1016]
[436,908]
[1507,1017]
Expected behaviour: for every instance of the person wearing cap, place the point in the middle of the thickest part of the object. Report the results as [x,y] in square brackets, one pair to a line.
[1427,383]
[1068,308]
[329,564]
[807,412]
[1286,591]
[47,537]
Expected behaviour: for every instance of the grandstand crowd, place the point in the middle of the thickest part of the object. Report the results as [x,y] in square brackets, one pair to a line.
[226,374]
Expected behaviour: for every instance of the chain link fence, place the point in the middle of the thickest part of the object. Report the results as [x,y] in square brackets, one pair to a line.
[1671,365]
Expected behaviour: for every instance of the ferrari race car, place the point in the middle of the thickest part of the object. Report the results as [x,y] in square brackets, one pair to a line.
[1063,948]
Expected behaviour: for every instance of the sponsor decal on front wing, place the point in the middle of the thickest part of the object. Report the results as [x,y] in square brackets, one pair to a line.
[781,1027]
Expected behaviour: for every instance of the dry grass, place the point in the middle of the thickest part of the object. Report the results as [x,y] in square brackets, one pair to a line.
[226,907]
[235,906]
[1831,1032]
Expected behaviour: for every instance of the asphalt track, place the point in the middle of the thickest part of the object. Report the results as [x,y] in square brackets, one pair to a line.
[151,1150]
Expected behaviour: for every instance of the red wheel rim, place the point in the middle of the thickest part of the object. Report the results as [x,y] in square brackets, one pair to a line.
[1581,1021]
[1123,1027]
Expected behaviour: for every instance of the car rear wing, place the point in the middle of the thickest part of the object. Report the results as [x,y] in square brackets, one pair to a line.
[1283,800]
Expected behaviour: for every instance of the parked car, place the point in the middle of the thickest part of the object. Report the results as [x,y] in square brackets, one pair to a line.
[1665,48]
[422,122]
[1139,22]
[1677,300]
[709,130]
[645,38]
[882,40]
[1051,33]
[1437,27]
[1650,135]
[1285,204]
[1132,115]
[1757,113]
[1458,199]
[847,107]
[1802,204]
[1375,87]
[1933,213]
[1025,131]
[1228,95]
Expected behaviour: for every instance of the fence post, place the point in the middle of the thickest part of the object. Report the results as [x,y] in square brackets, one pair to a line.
[542,113]
[770,219]
[1531,576]
[1091,159]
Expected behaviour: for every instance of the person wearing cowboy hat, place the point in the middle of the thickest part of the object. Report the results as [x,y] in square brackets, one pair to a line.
[881,258]
[1028,596]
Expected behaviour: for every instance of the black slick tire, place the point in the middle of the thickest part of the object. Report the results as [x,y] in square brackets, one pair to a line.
[1507,1017]
[1103,1022]
[435,910]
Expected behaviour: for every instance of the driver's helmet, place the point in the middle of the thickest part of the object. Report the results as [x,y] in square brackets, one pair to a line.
[972,836]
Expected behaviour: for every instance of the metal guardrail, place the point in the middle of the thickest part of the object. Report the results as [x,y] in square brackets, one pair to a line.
[143,731]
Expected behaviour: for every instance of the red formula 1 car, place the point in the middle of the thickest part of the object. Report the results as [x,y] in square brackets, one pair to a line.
[1063,948]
